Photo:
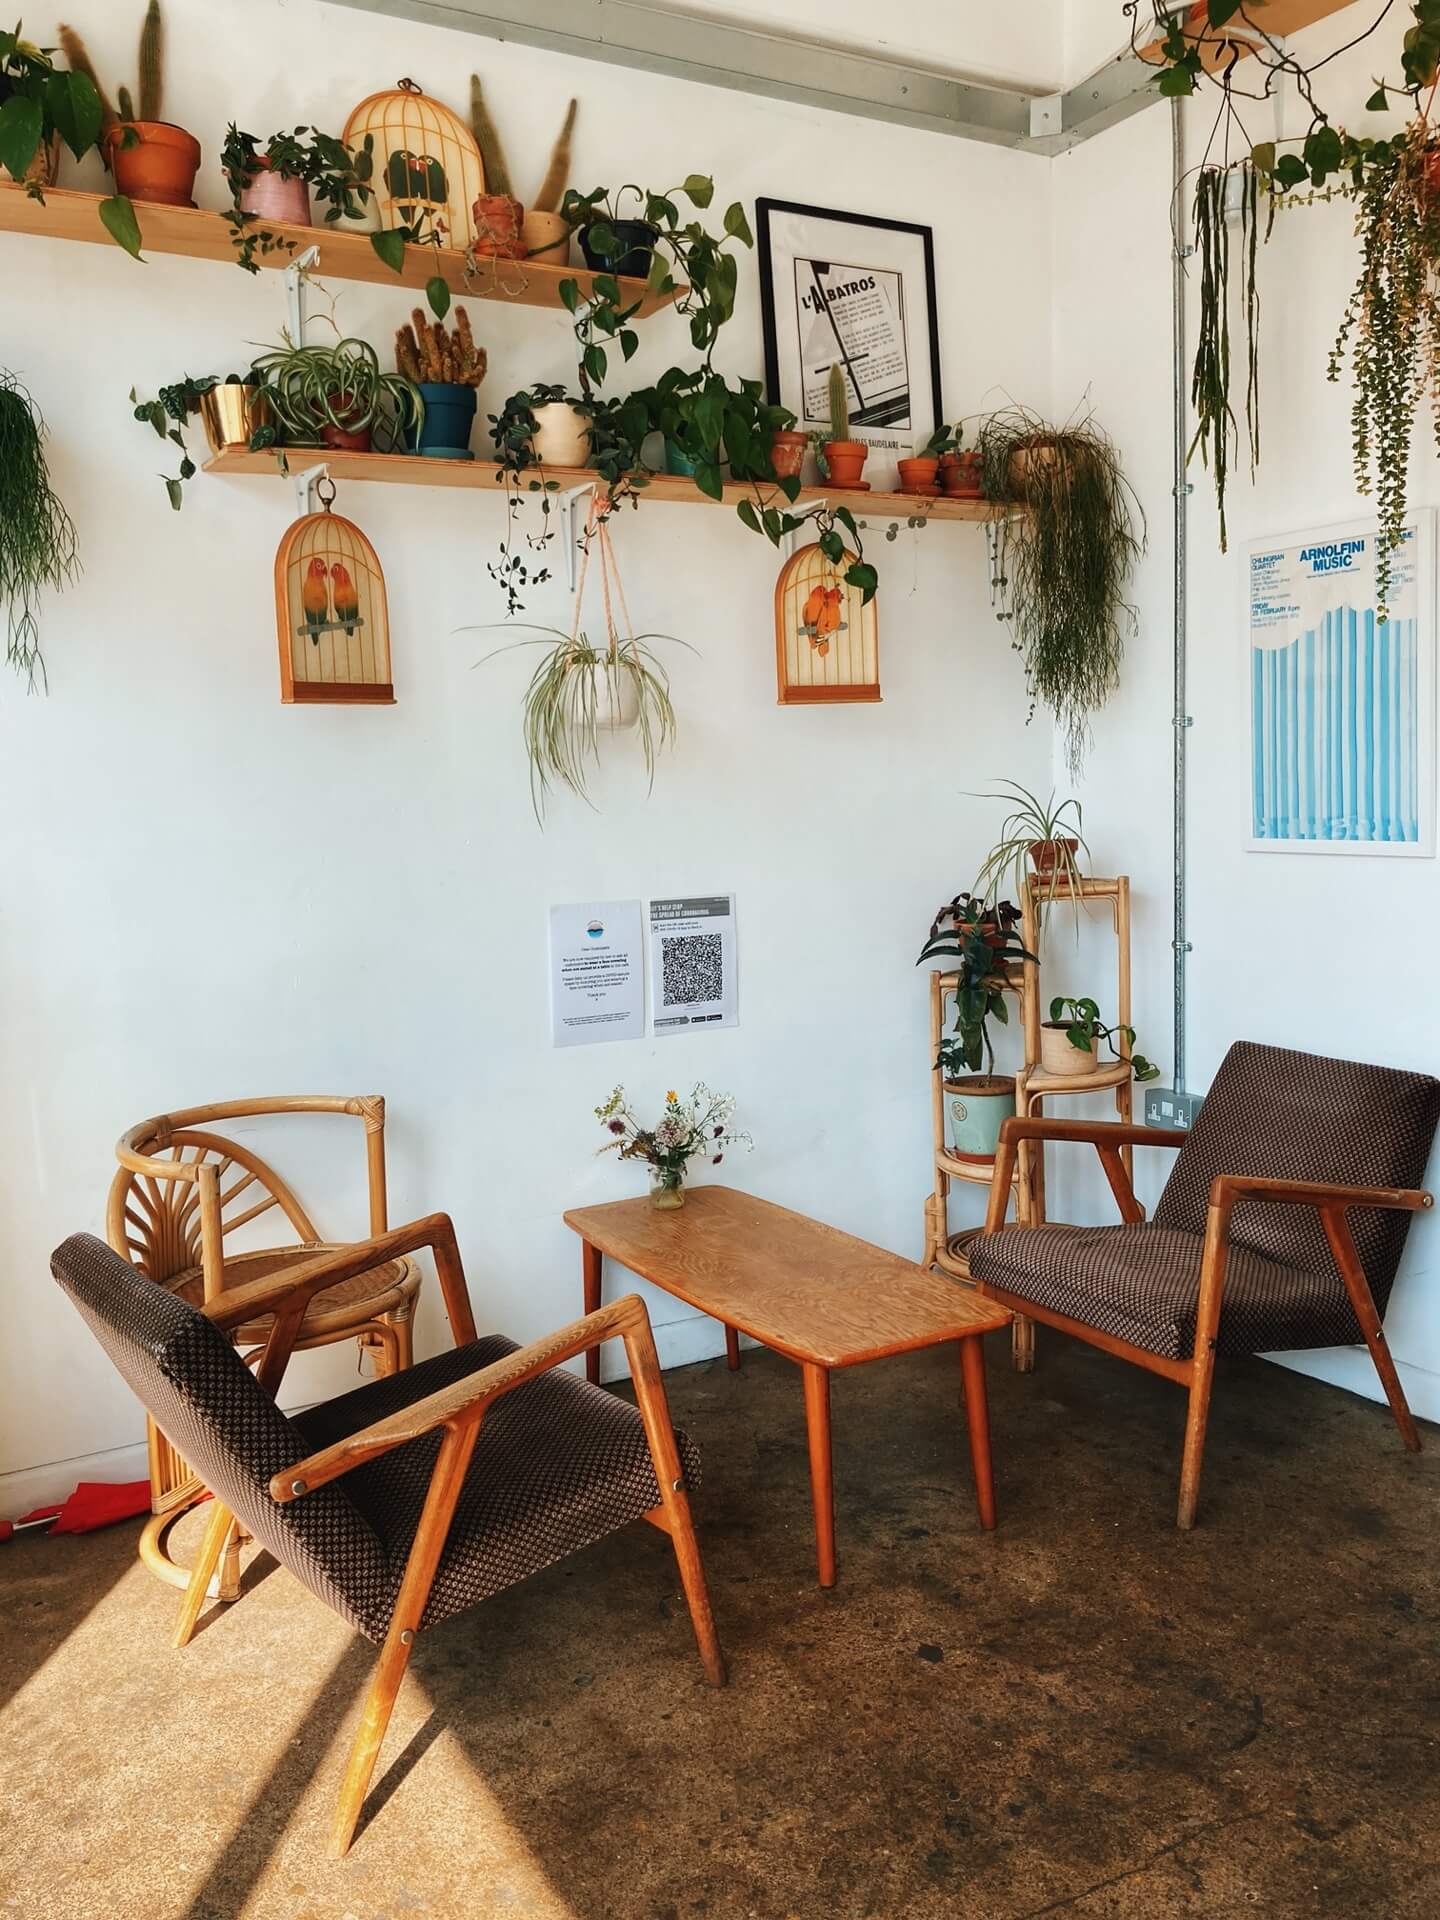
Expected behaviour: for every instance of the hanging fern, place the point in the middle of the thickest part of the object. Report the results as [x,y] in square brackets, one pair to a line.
[37,537]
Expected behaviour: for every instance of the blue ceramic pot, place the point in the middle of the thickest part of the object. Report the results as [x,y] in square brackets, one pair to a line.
[633,251]
[976,1105]
[449,416]
[677,461]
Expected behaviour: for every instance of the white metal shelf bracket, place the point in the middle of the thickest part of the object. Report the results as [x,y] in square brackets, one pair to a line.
[294,278]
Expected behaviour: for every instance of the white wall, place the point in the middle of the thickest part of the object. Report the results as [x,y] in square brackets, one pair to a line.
[1273,958]
[207,895]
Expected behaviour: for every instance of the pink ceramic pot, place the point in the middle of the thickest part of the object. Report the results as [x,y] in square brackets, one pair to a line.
[270,197]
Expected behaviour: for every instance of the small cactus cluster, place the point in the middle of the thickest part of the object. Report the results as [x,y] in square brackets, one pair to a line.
[434,354]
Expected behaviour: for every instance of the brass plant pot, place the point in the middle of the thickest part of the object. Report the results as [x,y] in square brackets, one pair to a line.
[230,414]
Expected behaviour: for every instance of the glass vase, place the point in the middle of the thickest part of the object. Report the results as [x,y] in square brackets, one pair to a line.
[667,1189]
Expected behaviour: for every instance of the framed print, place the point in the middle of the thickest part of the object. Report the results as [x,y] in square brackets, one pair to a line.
[850,290]
[1342,703]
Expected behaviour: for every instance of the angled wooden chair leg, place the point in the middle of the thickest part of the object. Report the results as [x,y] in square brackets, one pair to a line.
[1195,1421]
[665,1456]
[446,1479]
[1022,1344]
[1347,1259]
[228,1575]
[212,1544]
[1213,1262]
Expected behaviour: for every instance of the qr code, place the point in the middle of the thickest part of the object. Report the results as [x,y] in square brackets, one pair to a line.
[692,969]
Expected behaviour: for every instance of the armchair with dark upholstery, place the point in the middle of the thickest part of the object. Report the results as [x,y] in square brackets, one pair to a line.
[1253,1248]
[418,1494]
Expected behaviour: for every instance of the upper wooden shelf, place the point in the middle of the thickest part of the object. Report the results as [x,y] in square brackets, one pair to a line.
[202,235]
[415,470]
[1279,18]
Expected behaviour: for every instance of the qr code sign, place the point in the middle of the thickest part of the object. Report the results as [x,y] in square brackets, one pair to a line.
[692,969]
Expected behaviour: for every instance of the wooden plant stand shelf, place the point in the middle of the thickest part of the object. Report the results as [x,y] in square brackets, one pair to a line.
[200,234]
[413,470]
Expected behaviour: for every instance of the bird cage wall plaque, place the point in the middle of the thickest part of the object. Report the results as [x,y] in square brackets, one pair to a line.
[826,641]
[330,610]
[426,170]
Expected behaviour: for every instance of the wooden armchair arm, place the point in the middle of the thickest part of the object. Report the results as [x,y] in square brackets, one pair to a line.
[289,1293]
[1106,1136]
[1227,1188]
[450,1406]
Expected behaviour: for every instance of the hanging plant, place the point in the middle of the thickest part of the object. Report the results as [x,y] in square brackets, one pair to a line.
[1061,567]
[1216,430]
[37,537]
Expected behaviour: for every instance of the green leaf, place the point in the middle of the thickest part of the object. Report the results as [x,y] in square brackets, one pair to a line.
[847,520]
[1219,11]
[176,493]
[569,291]
[790,486]
[1176,81]
[736,223]
[699,189]
[21,122]
[1290,170]
[1378,102]
[709,479]
[594,362]
[603,241]
[1262,157]
[747,513]
[832,546]
[629,343]
[117,216]
[390,246]
[865,577]
[75,109]
[438,295]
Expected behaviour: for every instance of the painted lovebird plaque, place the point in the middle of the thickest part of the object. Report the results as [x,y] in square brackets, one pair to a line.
[334,627]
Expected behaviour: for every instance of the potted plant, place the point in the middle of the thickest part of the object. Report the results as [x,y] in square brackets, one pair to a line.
[1041,833]
[1067,1042]
[980,936]
[917,473]
[687,1130]
[545,230]
[233,409]
[844,457]
[447,366]
[151,159]
[41,105]
[787,450]
[37,538]
[338,397]
[497,215]
[277,181]
[1062,567]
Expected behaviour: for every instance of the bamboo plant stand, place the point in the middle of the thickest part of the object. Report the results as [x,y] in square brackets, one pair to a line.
[1033,1087]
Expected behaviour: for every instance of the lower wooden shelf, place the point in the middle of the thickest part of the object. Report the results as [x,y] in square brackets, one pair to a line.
[414,470]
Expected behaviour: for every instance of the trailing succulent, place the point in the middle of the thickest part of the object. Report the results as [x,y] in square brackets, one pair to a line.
[37,537]
[175,404]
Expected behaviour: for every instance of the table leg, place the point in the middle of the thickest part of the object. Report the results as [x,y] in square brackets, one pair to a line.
[817,1425]
[590,1259]
[732,1349]
[977,1416]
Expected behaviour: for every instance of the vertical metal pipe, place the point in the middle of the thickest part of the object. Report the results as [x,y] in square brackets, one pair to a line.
[1181,718]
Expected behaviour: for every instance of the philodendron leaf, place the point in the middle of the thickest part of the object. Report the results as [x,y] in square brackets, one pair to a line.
[21,122]
[699,189]
[1219,11]
[389,245]
[1378,102]
[117,216]
[438,295]
[75,108]
[865,577]
[176,493]
[747,513]
[1176,81]
[737,224]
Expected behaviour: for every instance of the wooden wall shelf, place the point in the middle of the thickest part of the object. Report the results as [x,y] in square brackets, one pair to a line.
[202,235]
[407,469]
[1279,18]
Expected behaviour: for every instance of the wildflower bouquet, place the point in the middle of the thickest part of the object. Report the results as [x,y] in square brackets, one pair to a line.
[686,1129]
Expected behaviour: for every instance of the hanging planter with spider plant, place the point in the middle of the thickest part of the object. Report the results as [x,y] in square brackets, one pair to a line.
[584,691]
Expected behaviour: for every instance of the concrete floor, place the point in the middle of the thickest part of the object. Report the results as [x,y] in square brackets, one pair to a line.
[1085,1713]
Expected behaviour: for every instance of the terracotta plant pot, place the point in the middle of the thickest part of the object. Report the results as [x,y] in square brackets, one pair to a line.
[547,238]
[846,461]
[787,453]
[976,1106]
[344,439]
[918,475]
[1030,466]
[562,435]
[960,476]
[159,165]
[272,197]
[1045,854]
[230,414]
[499,227]
[1058,1056]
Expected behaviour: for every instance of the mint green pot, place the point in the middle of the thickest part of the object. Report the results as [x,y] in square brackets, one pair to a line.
[976,1107]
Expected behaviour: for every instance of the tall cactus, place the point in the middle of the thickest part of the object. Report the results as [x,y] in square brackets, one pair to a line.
[152,63]
[839,404]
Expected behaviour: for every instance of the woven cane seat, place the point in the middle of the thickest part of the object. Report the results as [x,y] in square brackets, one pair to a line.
[388,1288]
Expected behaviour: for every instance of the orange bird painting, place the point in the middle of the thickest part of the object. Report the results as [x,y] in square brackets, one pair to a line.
[346,598]
[315,599]
[821,618]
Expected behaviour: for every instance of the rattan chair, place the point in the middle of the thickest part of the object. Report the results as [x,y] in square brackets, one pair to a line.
[1252,1249]
[416,1495]
[180,1192]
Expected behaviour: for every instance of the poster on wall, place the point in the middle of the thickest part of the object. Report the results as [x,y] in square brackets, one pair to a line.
[850,290]
[1342,703]
[692,963]
[597,973]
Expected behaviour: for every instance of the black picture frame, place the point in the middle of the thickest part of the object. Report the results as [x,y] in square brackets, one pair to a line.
[780,390]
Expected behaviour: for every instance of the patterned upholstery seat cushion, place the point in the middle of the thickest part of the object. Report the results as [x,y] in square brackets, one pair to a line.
[558,1465]
[1141,1284]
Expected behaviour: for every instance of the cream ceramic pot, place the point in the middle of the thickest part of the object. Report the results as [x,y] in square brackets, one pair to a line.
[562,435]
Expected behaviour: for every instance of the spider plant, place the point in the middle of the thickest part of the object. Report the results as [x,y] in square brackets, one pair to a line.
[37,538]
[1039,833]
[343,387]
[1060,568]
[581,691]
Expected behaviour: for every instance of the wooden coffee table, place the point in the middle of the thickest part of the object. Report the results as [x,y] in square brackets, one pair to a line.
[818,1296]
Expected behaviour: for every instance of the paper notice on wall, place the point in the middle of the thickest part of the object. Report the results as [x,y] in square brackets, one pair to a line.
[597,973]
[692,963]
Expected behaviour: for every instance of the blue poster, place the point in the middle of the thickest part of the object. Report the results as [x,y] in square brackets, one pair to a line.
[1341,701]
